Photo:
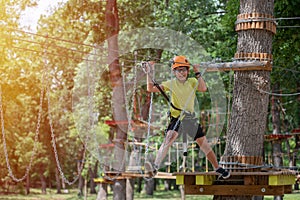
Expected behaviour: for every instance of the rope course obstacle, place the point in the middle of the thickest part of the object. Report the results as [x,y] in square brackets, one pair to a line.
[45,89]
[246,173]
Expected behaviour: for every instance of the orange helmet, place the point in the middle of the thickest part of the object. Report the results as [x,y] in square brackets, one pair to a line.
[180,61]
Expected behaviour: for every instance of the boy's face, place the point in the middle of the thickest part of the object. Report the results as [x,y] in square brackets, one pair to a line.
[181,73]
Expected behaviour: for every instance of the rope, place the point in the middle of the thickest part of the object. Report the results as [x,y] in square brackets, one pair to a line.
[80,168]
[129,112]
[11,174]
[253,166]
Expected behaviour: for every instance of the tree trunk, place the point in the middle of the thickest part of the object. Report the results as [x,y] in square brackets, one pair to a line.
[133,166]
[182,193]
[80,185]
[119,114]
[130,189]
[28,185]
[139,185]
[247,125]
[44,184]
[297,136]
[276,144]
[92,175]
[149,186]
[102,193]
[167,184]
[58,183]
[275,110]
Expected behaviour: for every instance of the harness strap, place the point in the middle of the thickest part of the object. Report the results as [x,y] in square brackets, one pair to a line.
[159,88]
[165,95]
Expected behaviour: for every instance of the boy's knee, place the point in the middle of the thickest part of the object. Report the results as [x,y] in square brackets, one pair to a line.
[171,136]
[204,146]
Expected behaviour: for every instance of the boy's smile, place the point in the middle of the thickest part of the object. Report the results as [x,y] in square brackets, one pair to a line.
[181,73]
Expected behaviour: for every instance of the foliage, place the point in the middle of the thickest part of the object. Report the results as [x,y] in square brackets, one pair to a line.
[65,55]
[286,59]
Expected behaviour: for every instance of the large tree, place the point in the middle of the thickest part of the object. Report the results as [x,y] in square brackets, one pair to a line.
[118,101]
[247,126]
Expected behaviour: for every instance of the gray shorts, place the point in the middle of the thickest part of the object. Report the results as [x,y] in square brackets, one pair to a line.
[187,125]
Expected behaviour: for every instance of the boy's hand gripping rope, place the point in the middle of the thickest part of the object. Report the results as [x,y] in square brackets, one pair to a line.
[144,66]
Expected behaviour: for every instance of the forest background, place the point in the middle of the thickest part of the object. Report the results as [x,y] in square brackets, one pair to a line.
[43,143]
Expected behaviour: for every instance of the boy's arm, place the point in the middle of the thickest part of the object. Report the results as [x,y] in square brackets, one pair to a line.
[150,85]
[201,83]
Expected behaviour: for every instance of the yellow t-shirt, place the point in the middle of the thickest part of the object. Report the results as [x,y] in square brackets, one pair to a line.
[182,94]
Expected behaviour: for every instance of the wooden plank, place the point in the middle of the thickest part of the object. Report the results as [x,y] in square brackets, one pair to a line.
[125,175]
[288,189]
[113,175]
[237,66]
[185,180]
[255,180]
[133,168]
[238,173]
[281,179]
[164,175]
[103,180]
[234,190]
[205,179]
[179,179]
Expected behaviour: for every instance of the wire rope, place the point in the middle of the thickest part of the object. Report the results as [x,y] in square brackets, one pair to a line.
[35,147]
[58,163]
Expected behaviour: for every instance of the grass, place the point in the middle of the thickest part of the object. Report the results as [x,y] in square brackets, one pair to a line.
[158,195]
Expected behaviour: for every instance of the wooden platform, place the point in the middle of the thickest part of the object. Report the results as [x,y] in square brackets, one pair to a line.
[239,183]
[111,176]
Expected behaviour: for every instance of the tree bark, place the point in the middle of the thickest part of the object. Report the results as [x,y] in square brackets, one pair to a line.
[277,150]
[92,175]
[58,184]
[130,189]
[149,186]
[247,126]
[102,193]
[80,185]
[44,184]
[112,29]
[28,185]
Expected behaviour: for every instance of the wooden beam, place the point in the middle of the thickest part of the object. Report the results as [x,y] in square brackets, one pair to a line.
[259,190]
[237,66]
[205,180]
[179,179]
[125,175]
[103,180]
[237,173]
[164,175]
[282,179]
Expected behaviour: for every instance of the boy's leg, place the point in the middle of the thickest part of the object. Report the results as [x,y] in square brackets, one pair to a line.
[207,150]
[163,149]
[161,154]
[211,156]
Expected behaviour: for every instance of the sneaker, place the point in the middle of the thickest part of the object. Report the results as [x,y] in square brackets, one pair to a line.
[223,173]
[150,170]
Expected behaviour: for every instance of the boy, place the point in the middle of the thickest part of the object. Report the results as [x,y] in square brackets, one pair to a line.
[183,94]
